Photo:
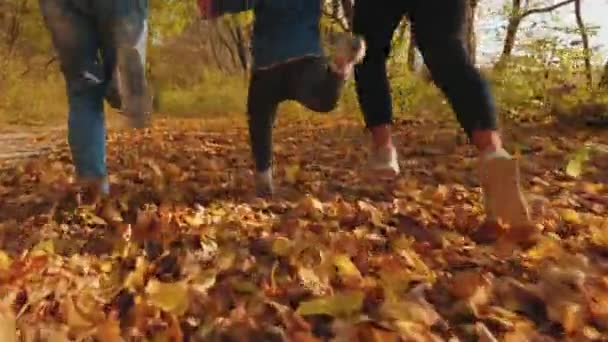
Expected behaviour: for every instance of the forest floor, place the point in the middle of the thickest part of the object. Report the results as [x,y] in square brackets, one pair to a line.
[183,251]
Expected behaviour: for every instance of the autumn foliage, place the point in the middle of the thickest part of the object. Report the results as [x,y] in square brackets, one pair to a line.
[182,251]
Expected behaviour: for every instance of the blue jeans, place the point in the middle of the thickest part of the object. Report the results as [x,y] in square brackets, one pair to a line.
[87,35]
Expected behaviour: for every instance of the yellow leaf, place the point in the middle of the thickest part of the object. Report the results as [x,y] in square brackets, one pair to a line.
[5,261]
[170,297]
[135,279]
[346,268]
[339,305]
[8,324]
[291,173]
[575,165]
[44,247]
[570,216]
[282,246]
[545,247]
[598,236]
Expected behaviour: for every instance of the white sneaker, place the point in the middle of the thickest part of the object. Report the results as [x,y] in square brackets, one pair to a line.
[384,161]
[502,194]
[263,183]
[346,50]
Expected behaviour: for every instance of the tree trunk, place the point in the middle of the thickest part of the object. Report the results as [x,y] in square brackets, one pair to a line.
[604,80]
[518,14]
[585,39]
[239,40]
[470,37]
[510,38]
[511,35]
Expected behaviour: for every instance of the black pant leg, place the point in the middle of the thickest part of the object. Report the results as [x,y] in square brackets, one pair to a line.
[376,22]
[313,84]
[262,101]
[438,29]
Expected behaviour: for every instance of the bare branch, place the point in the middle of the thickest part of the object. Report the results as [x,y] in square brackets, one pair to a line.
[545,9]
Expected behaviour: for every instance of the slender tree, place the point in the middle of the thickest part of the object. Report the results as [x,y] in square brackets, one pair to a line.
[519,12]
[585,40]
[604,80]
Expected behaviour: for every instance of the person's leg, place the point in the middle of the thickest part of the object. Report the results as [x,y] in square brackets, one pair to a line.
[124,28]
[376,24]
[312,83]
[438,27]
[263,99]
[317,82]
[77,43]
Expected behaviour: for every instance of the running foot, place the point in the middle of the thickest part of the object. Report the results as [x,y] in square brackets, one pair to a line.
[91,190]
[135,98]
[502,194]
[384,161]
[263,183]
[346,51]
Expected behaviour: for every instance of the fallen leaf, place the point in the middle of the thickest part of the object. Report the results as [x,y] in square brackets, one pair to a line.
[346,268]
[170,297]
[282,246]
[5,261]
[575,165]
[338,305]
[8,324]
[291,173]
[570,216]
[109,331]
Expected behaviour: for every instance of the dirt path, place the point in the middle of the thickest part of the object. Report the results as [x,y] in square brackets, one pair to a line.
[18,144]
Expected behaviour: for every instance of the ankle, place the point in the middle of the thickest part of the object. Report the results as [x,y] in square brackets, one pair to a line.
[487,141]
[382,137]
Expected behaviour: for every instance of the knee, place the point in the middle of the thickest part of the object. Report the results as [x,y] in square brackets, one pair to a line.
[328,105]
[86,99]
[323,104]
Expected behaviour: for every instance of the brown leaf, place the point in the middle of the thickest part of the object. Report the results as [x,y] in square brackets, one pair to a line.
[368,332]
[413,228]
[109,331]
[473,286]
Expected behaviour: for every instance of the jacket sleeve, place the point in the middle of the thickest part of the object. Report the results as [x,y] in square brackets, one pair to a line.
[221,7]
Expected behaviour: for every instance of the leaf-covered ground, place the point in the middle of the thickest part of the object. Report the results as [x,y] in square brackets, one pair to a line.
[183,251]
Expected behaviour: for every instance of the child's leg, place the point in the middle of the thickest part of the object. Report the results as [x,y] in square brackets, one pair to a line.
[314,84]
[265,94]
[77,43]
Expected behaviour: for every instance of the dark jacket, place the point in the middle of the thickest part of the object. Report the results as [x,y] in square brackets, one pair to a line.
[282,30]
